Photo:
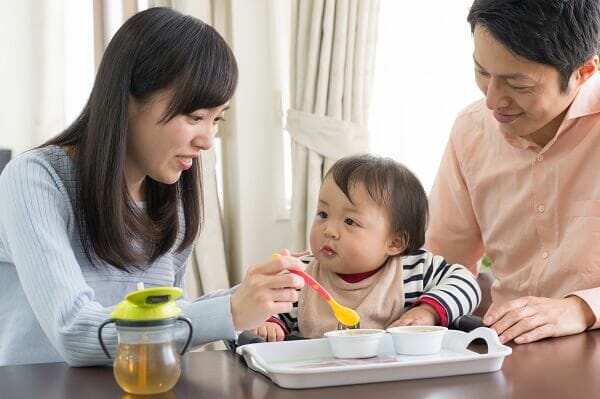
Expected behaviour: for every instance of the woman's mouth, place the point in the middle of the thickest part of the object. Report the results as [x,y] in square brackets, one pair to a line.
[185,163]
[506,117]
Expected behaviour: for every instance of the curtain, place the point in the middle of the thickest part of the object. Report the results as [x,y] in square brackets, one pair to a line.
[332,61]
[207,266]
[49,102]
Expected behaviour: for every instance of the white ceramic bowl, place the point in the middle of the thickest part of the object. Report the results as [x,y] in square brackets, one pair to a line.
[417,340]
[352,344]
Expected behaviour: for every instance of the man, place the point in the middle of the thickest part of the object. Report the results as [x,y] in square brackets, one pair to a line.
[519,180]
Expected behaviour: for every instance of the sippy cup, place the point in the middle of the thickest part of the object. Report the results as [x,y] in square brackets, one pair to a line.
[147,360]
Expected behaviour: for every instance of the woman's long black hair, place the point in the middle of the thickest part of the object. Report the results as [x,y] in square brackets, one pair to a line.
[154,50]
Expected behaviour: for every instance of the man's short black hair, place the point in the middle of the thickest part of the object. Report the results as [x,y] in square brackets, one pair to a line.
[561,33]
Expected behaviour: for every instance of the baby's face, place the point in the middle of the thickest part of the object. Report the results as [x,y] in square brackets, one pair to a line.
[350,237]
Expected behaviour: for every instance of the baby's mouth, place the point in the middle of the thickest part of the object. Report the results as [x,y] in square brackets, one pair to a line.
[327,250]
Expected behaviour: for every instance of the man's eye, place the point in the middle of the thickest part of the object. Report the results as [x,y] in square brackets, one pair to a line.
[520,88]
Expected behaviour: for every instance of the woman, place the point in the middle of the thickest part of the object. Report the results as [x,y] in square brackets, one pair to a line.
[116,199]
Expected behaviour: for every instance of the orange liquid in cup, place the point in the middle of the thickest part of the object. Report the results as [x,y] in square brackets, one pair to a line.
[147,368]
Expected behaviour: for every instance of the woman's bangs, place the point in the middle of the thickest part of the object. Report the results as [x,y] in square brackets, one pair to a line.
[208,83]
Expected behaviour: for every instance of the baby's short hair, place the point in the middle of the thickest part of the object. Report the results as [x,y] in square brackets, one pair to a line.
[393,187]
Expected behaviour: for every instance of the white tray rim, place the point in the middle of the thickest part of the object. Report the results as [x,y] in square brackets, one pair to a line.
[456,341]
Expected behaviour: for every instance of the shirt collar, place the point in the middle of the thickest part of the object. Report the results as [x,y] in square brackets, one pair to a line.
[587,101]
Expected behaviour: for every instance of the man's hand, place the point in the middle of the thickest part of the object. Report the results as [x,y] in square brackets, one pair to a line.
[421,315]
[271,332]
[531,318]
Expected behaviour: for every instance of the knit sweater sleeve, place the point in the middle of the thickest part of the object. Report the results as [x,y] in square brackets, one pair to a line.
[210,315]
[36,221]
[451,285]
[35,233]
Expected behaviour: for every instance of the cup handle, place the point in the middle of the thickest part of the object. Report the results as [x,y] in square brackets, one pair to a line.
[191,332]
[100,336]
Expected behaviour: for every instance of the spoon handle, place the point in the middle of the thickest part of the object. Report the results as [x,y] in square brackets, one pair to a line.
[312,282]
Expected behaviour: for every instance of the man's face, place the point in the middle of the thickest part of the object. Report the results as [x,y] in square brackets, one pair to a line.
[524,96]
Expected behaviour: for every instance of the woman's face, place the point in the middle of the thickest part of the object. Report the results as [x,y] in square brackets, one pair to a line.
[163,151]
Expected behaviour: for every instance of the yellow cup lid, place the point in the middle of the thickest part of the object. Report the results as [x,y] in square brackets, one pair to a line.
[149,304]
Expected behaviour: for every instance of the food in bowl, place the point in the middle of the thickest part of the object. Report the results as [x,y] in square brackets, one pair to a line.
[353,344]
[417,340]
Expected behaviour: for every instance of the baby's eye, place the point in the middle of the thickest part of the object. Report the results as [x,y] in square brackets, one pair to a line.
[322,215]
[350,222]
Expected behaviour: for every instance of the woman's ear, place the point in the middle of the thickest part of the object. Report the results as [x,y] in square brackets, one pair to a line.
[397,244]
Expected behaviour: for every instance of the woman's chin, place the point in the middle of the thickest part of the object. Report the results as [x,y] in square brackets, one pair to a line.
[167,179]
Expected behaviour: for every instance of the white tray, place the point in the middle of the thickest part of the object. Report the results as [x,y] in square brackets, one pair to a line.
[310,363]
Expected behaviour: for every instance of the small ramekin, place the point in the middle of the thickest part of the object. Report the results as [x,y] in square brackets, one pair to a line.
[352,344]
[417,340]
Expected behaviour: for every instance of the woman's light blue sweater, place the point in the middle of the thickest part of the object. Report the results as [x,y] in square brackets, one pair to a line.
[52,299]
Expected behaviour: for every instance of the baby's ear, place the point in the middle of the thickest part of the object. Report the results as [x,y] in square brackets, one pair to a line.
[397,244]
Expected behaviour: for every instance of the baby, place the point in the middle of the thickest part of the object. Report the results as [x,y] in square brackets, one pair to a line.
[366,239]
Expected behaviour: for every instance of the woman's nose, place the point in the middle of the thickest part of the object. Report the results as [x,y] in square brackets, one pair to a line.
[205,136]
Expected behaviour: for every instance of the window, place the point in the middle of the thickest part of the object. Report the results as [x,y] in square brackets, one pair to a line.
[423,78]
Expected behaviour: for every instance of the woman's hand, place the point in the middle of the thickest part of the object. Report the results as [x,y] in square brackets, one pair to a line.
[266,291]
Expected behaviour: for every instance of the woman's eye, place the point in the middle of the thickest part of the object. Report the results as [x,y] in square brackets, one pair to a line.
[196,118]
[218,119]
[322,215]
[350,222]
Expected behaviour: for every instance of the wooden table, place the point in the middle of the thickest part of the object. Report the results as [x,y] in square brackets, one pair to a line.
[567,367]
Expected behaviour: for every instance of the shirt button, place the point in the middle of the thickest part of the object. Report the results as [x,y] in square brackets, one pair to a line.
[540,158]
[541,208]
[545,255]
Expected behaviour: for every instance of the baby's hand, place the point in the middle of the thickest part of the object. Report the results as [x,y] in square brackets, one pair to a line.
[421,315]
[271,332]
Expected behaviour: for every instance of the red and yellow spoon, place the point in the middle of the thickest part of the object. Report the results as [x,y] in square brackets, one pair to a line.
[347,317]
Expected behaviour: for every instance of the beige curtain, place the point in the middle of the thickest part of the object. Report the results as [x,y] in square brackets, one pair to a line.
[333,43]
[48,77]
[207,267]
[108,17]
